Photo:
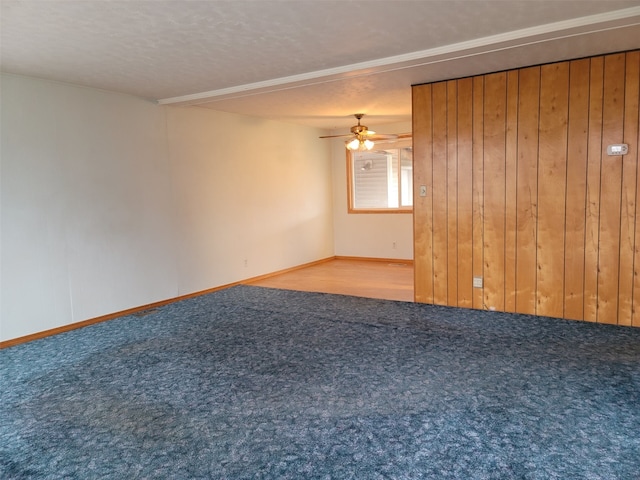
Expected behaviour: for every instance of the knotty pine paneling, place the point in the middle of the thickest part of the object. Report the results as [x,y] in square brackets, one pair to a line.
[552,181]
[574,230]
[631,128]
[521,191]
[439,188]
[511,151]
[610,190]
[495,115]
[478,188]
[465,192]
[630,187]
[452,193]
[592,216]
[422,169]
[527,189]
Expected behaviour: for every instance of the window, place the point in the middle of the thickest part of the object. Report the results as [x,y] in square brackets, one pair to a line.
[380,180]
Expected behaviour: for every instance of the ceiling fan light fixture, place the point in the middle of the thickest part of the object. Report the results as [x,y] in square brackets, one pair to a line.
[360,144]
[352,144]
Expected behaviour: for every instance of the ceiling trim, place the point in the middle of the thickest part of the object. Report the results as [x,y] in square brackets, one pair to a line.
[542,33]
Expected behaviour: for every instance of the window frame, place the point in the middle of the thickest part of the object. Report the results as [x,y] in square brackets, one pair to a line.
[350,180]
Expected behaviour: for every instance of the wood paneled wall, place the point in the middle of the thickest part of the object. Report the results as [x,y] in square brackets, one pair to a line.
[521,191]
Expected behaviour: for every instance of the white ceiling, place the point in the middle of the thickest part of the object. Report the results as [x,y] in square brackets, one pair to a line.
[312,62]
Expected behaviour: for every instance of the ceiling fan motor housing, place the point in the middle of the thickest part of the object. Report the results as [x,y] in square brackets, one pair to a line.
[359,129]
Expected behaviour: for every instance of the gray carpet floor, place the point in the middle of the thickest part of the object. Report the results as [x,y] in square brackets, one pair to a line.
[258,383]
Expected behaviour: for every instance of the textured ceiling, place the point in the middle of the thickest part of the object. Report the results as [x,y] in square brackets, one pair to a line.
[309,62]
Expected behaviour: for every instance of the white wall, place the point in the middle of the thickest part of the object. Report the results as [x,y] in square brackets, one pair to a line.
[110,202]
[367,234]
[85,200]
[252,196]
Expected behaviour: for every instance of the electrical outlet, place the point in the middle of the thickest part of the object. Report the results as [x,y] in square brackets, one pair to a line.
[393,245]
[477,282]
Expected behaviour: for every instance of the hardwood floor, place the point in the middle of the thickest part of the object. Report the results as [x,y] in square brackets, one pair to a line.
[388,280]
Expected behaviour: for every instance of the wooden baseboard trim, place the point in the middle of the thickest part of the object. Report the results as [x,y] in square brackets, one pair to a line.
[249,281]
[373,259]
[130,311]
[104,318]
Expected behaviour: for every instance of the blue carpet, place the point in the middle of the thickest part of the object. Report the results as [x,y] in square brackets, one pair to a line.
[256,383]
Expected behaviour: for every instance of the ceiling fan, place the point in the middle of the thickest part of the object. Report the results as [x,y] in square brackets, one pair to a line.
[361,138]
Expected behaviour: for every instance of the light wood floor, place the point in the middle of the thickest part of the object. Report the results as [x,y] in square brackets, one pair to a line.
[362,278]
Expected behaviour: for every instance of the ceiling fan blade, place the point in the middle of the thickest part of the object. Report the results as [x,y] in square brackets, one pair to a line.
[337,136]
[384,136]
[362,132]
